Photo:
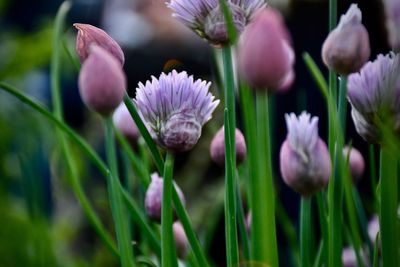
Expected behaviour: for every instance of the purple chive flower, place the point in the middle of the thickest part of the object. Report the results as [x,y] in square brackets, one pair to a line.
[101,81]
[175,107]
[181,241]
[346,49]
[373,228]
[123,121]
[217,147]
[349,258]
[304,158]
[206,18]
[392,9]
[266,58]
[89,35]
[356,162]
[374,95]
[153,197]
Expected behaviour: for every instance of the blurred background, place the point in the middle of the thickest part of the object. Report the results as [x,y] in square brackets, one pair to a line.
[41,222]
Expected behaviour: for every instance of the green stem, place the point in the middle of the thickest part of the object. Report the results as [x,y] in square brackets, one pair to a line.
[55,70]
[230,160]
[305,231]
[264,236]
[323,225]
[241,217]
[372,171]
[388,207]
[117,207]
[168,251]
[343,103]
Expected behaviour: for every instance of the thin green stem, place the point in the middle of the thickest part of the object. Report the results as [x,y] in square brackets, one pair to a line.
[168,252]
[264,236]
[55,70]
[322,215]
[241,217]
[343,103]
[117,206]
[372,171]
[230,160]
[388,207]
[305,231]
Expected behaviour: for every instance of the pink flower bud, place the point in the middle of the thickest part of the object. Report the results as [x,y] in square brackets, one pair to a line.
[101,81]
[373,229]
[123,122]
[153,197]
[347,48]
[304,158]
[356,162]
[248,221]
[349,258]
[88,35]
[266,58]
[217,147]
[392,9]
[181,241]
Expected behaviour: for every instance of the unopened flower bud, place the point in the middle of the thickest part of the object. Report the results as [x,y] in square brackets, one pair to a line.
[304,158]
[123,122]
[349,258]
[356,162]
[181,241]
[175,108]
[217,147]
[248,221]
[89,35]
[153,197]
[373,229]
[346,49]
[266,58]
[392,8]
[101,81]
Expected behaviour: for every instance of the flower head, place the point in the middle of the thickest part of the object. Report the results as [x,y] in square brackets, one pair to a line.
[101,81]
[347,48]
[374,94]
[266,58]
[123,121]
[89,35]
[356,162]
[217,147]
[392,8]
[304,158]
[153,197]
[206,18]
[175,108]
[181,241]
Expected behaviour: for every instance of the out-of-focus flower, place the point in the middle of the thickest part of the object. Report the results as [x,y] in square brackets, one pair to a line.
[181,241]
[266,58]
[373,228]
[175,108]
[347,48]
[248,221]
[153,197]
[101,81]
[392,8]
[217,147]
[374,95]
[89,35]
[304,158]
[205,17]
[349,258]
[123,122]
[356,162]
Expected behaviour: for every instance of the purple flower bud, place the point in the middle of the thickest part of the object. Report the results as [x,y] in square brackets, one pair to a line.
[123,122]
[181,241]
[266,58]
[101,81]
[347,48]
[304,158]
[217,147]
[374,95]
[175,108]
[248,221]
[206,19]
[392,9]
[356,162]
[89,35]
[373,228]
[153,197]
[349,258]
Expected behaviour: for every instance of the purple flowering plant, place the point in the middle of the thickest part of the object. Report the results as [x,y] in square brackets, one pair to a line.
[171,144]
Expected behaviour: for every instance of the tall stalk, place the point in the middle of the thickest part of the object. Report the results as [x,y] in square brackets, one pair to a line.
[230,160]
[168,252]
[305,231]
